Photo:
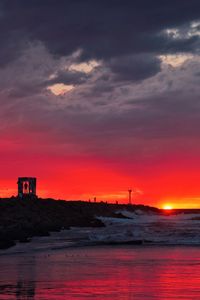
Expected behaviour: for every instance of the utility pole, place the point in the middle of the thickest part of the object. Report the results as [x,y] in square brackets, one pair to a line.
[129,196]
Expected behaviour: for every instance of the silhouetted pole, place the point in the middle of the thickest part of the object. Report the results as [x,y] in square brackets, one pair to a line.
[129,196]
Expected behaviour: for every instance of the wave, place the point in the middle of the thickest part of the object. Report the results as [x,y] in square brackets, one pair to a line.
[181,229]
[135,228]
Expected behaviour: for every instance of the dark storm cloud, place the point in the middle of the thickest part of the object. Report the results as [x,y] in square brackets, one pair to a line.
[68,77]
[24,90]
[11,46]
[135,68]
[27,89]
[153,117]
[126,35]
[103,29]
[164,116]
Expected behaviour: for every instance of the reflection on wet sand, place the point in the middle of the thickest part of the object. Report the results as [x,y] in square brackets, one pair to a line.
[25,289]
[21,290]
[19,276]
[102,273]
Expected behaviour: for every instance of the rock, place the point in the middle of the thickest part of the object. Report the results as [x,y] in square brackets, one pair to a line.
[21,219]
[6,243]
[25,240]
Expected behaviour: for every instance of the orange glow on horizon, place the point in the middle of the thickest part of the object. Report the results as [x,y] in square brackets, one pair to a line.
[73,177]
[167,207]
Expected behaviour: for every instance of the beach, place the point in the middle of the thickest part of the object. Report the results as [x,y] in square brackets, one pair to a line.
[115,252]
[107,262]
[103,272]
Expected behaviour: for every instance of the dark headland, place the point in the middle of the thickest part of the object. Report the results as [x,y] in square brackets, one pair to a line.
[22,219]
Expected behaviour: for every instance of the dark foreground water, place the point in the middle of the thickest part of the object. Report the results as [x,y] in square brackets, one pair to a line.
[102,273]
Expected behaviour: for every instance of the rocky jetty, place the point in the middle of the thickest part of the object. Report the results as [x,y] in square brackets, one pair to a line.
[21,219]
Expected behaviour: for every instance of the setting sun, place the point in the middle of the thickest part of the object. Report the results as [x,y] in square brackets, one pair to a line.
[167,207]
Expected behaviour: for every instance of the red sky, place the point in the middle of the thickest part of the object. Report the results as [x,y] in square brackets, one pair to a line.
[157,179]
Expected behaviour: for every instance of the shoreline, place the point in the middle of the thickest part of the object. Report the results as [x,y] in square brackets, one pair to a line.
[23,219]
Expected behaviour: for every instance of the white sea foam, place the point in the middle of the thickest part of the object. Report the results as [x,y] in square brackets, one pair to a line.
[181,229]
[160,229]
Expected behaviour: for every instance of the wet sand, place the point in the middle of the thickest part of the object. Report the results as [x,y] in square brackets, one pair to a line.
[123,272]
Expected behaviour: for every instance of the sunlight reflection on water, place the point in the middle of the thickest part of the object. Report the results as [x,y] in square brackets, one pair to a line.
[102,273]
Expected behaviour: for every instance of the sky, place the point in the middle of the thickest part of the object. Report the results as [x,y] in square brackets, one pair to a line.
[97,97]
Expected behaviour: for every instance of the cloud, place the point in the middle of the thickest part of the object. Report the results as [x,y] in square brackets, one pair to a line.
[124,81]
[135,68]
[60,88]
[68,77]
[101,29]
